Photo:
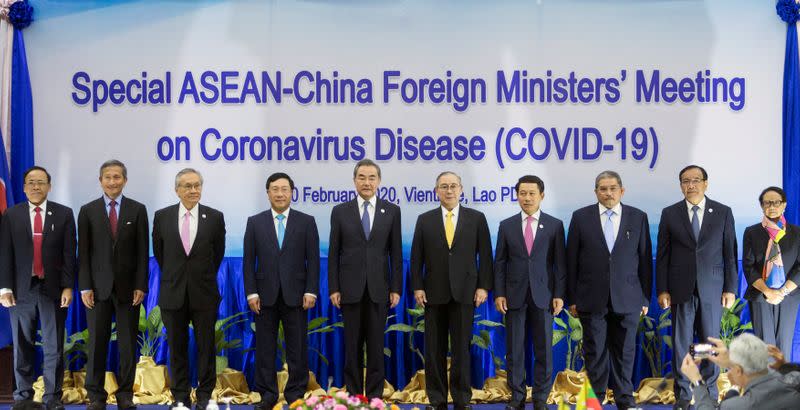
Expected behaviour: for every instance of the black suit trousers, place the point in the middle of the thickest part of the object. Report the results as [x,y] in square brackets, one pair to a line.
[177,323]
[609,348]
[537,324]
[295,329]
[99,322]
[695,317]
[774,324]
[364,322]
[453,319]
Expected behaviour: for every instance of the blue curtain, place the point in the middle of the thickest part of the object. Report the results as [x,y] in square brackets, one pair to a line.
[21,115]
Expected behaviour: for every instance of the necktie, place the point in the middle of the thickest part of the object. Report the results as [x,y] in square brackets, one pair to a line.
[112,218]
[38,266]
[529,234]
[281,229]
[449,229]
[608,230]
[185,232]
[365,219]
[695,222]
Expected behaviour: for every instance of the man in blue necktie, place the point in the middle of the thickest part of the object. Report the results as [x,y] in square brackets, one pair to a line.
[365,276]
[609,279]
[281,280]
[696,272]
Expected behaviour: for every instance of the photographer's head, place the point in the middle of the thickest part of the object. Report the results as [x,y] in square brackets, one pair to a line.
[749,359]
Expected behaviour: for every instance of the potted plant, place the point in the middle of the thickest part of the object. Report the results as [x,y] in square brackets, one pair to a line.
[654,336]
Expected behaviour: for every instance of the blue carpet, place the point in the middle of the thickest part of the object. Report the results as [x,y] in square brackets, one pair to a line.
[494,406]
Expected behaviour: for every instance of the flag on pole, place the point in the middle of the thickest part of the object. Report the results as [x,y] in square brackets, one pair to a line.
[586,398]
[6,193]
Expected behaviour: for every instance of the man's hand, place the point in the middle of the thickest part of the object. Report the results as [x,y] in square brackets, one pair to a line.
[66,297]
[727,299]
[722,358]
[573,310]
[777,357]
[7,300]
[773,296]
[501,305]
[645,309]
[664,300]
[558,306]
[255,305]
[336,299]
[480,296]
[309,302]
[394,299]
[690,370]
[138,297]
[87,297]
[419,296]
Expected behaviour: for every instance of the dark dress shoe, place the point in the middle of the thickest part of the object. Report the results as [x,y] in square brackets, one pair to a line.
[539,405]
[264,406]
[55,405]
[96,405]
[22,405]
[520,406]
[681,405]
[439,407]
[462,407]
[125,404]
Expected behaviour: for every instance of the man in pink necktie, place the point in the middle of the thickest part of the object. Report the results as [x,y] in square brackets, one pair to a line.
[189,244]
[529,286]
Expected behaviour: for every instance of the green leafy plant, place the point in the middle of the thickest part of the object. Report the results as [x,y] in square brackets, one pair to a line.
[151,330]
[417,325]
[76,345]
[572,332]
[220,342]
[731,322]
[317,325]
[484,340]
[654,341]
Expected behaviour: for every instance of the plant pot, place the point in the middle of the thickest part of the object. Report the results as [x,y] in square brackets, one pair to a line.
[151,384]
[655,390]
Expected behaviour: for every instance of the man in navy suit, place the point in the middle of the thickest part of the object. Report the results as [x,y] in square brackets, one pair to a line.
[113,253]
[696,269]
[365,275]
[451,274]
[37,272]
[189,244]
[529,285]
[609,270]
[281,280]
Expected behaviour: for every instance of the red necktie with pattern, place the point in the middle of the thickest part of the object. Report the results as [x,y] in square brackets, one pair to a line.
[38,266]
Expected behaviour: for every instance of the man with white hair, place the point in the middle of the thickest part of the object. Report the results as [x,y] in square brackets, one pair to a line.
[747,362]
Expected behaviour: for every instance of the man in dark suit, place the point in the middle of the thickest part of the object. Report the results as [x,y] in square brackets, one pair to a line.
[189,244]
[365,275]
[451,273]
[529,280]
[695,268]
[113,256]
[37,272]
[281,280]
[609,271]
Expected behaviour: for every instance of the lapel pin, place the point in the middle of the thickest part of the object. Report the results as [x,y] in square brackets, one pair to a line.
[128,223]
[541,226]
[710,210]
[383,211]
[204,216]
[49,212]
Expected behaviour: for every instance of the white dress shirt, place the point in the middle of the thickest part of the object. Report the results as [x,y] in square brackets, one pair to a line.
[192,222]
[702,206]
[455,216]
[32,214]
[371,209]
[535,224]
[615,218]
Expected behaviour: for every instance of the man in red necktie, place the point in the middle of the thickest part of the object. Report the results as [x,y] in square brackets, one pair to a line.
[37,270]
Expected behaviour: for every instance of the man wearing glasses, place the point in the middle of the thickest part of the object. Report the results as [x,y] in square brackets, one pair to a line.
[451,273]
[696,272]
[37,272]
[365,276]
[189,244]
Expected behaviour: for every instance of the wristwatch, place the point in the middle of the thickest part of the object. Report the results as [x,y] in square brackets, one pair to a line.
[785,291]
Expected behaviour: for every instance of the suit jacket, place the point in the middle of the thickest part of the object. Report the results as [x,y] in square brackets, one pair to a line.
[594,274]
[58,250]
[543,273]
[355,261]
[453,273]
[709,263]
[195,274]
[772,392]
[754,249]
[292,269]
[109,265]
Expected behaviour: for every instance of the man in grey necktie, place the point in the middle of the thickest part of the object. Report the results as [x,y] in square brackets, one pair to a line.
[609,284]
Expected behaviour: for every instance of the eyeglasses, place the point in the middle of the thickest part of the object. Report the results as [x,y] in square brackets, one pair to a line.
[687,182]
[189,187]
[35,184]
[771,204]
[448,187]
